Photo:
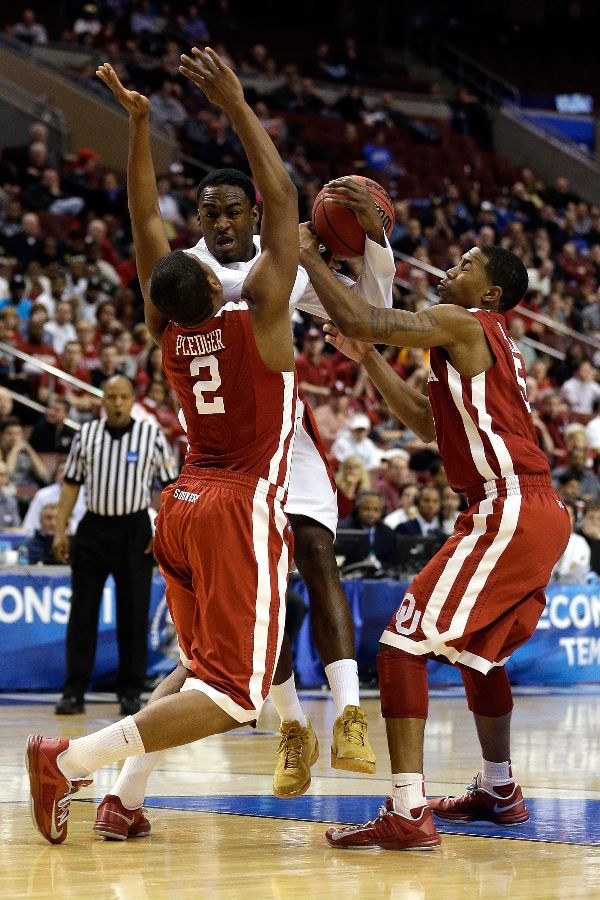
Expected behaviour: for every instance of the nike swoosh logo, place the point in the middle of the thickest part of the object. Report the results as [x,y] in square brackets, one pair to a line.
[54,833]
[121,816]
[501,809]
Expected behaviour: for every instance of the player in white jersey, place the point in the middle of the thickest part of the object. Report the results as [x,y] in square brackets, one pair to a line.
[223,198]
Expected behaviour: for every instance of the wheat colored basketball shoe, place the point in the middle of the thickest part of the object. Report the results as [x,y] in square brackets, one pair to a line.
[350,748]
[117,823]
[390,831]
[298,750]
[504,805]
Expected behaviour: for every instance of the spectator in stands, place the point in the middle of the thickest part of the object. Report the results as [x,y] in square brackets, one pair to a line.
[26,244]
[332,416]
[590,529]
[39,547]
[29,30]
[426,523]
[574,564]
[449,510]
[169,208]
[156,401]
[107,367]
[517,333]
[51,494]
[407,508]
[367,517]
[379,158]
[194,27]
[582,390]
[17,297]
[576,467]
[88,24]
[23,463]
[60,330]
[315,370]
[166,110]
[126,363]
[592,429]
[394,477]
[6,406]
[10,519]
[540,278]
[51,434]
[354,441]
[351,479]
[79,399]
[85,338]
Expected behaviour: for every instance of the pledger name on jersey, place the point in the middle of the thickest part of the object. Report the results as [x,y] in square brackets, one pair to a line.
[199,344]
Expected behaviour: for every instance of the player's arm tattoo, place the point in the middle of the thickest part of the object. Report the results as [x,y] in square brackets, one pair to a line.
[385,323]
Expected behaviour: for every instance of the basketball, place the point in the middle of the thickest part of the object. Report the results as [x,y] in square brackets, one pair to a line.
[338,228]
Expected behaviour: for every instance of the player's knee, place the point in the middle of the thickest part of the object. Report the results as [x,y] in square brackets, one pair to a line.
[488,695]
[402,684]
[314,554]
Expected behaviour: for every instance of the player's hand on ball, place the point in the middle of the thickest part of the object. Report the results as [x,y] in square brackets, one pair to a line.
[356,350]
[136,104]
[309,242]
[355,196]
[208,72]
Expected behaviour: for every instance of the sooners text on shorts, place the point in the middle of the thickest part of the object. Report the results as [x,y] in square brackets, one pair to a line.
[481,596]
[222,538]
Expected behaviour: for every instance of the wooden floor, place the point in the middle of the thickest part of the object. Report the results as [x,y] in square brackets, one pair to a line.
[248,851]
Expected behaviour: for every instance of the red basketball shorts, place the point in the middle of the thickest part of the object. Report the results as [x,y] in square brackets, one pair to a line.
[481,595]
[223,545]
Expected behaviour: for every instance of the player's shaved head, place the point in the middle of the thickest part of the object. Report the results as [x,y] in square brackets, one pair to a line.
[184,289]
[230,178]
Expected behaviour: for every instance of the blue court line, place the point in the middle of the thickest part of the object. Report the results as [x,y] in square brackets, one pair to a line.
[551,821]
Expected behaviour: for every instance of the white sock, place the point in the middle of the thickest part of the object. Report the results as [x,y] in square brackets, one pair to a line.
[495,774]
[342,676]
[86,754]
[286,701]
[130,786]
[408,791]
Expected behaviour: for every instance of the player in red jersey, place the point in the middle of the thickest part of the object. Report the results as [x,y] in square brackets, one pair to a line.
[481,596]
[222,538]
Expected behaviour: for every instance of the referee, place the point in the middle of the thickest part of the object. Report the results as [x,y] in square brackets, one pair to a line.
[116,459]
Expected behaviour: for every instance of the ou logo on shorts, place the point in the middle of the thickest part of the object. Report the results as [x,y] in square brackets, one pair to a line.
[407,617]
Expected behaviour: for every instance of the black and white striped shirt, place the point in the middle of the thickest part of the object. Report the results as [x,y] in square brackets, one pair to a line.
[117,466]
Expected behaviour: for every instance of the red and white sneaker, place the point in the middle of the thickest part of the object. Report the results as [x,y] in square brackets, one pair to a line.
[115,822]
[389,830]
[51,791]
[505,805]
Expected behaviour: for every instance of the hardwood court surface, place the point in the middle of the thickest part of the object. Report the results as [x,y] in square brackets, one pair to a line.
[226,838]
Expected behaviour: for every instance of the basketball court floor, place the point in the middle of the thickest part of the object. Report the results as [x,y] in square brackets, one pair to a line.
[219,834]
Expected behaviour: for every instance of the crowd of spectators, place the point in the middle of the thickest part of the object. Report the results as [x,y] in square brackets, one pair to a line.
[69,294]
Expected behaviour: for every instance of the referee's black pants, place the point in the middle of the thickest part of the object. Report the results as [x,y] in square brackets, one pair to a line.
[103,546]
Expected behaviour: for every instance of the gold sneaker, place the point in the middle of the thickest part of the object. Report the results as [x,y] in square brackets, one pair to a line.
[298,750]
[351,749]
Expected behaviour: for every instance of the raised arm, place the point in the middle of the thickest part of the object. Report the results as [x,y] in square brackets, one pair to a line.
[149,236]
[269,284]
[407,404]
[443,326]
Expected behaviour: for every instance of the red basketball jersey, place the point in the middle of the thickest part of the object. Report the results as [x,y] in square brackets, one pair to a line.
[240,415]
[483,424]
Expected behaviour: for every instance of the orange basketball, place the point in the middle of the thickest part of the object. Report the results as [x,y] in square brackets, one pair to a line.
[338,228]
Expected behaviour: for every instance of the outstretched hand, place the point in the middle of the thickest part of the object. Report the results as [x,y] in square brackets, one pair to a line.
[136,104]
[356,350]
[208,72]
[355,196]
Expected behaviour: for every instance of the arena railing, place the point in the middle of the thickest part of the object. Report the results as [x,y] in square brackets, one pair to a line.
[558,327]
[8,350]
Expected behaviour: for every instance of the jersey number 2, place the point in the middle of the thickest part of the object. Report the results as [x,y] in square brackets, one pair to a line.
[216,405]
